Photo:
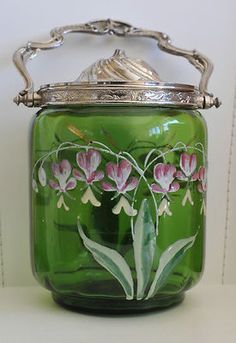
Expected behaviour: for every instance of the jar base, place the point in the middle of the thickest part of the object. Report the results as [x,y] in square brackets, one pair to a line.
[115,306]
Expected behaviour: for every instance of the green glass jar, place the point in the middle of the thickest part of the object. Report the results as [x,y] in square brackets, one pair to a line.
[118,182]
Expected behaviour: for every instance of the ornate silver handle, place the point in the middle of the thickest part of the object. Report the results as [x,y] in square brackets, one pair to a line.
[102,27]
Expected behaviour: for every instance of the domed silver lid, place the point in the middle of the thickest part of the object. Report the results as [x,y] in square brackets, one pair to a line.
[118,79]
[118,67]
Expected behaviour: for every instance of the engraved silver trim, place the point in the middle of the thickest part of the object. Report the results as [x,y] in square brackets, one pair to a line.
[166,95]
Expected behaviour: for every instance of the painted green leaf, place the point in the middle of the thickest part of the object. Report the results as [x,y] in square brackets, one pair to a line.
[168,261]
[112,261]
[144,247]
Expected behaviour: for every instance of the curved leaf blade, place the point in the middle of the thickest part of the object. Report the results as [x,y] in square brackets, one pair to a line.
[144,247]
[112,261]
[168,261]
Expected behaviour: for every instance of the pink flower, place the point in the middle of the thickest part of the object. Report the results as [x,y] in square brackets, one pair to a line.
[164,175]
[202,177]
[188,164]
[61,171]
[88,162]
[119,173]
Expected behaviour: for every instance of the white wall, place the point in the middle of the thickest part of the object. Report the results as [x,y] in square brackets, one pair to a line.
[207,25]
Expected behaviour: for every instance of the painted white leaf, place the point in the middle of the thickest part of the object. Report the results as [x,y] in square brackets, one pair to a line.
[168,261]
[144,247]
[112,261]
[42,176]
[35,186]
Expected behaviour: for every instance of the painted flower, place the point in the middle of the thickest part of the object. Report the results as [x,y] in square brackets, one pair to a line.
[202,187]
[62,171]
[164,175]
[188,165]
[119,173]
[88,161]
[202,177]
[63,183]
[42,176]
[35,186]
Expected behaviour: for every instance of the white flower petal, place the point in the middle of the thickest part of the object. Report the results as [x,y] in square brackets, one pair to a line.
[35,186]
[164,208]
[89,196]
[203,207]
[187,197]
[61,202]
[123,203]
[42,176]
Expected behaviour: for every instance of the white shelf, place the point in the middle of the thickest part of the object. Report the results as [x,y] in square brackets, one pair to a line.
[208,314]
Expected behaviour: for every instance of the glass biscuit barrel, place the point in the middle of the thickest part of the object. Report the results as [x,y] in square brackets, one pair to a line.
[119,161]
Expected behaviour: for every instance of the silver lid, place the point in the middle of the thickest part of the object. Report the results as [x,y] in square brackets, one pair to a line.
[118,67]
[118,79]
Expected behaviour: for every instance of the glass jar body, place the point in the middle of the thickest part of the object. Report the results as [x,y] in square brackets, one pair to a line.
[118,205]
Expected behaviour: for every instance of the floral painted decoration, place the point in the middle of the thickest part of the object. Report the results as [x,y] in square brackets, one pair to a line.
[118,178]
[202,187]
[164,175]
[88,162]
[188,165]
[120,174]
[63,183]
